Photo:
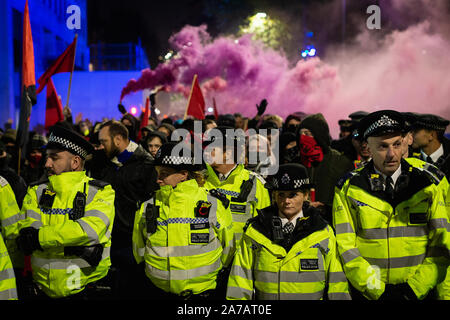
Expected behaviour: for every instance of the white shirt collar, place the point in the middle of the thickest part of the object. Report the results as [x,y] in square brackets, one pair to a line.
[223,177]
[394,176]
[285,220]
[435,155]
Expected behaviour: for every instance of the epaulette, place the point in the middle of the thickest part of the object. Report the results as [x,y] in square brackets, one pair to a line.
[344,178]
[438,174]
[36,183]
[3,182]
[223,198]
[258,176]
[249,222]
[98,183]
[431,176]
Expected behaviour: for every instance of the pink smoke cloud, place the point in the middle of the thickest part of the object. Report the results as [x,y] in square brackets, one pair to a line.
[403,70]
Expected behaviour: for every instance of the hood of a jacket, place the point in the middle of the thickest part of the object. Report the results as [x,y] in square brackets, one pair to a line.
[318,126]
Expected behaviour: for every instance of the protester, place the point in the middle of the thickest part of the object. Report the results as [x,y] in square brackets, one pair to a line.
[130,171]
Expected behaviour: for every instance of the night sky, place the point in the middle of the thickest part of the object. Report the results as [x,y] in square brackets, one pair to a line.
[154,22]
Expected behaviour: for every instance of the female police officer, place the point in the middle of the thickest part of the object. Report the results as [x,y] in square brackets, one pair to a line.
[183,233]
[288,251]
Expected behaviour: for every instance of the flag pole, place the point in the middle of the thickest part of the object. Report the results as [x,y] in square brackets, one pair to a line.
[190,96]
[71,73]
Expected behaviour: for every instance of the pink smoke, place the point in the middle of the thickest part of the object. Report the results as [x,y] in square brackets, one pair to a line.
[404,70]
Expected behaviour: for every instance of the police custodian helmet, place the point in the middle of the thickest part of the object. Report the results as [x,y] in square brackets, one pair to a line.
[290,176]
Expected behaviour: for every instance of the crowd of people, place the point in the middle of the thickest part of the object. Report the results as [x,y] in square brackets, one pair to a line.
[116,210]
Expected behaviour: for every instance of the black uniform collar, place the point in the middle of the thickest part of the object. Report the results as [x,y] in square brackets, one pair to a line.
[310,223]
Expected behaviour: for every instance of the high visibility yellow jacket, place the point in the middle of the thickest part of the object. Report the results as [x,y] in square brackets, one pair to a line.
[443,288]
[257,197]
[9,221]
[185,251]
[8,289]
[58,275]
[384,241]
[266,269]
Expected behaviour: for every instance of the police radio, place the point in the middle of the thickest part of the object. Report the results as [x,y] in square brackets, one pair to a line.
[79,203]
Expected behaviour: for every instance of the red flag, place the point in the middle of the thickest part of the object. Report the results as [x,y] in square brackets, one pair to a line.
[53,108]
[28,80]
[216,113]
[64,63]
[144,120]
[196,103]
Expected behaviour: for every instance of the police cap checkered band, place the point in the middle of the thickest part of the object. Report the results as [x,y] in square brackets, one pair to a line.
[172,154]
[382,122]
[64,139]
[290,176]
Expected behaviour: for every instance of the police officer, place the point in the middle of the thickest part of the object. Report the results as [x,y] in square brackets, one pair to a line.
[429,137]
[390,219]
[9,218]
[226,173]
[67,222]
[288,251]
[183,233]
[8,289]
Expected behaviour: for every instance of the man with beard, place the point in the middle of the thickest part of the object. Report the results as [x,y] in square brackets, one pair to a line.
[130,170]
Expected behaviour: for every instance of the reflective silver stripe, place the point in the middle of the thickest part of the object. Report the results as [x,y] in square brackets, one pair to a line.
[289,276]
[63,263]
[238,236]
[394,232]
[36,224]
[98,214]
[92,235]
[339,296]
[334,277]
[33,214]
[11,220]
[184,251]
[8,294]
[438,223]
[238,271]
[239,293]
[183,274]
[350,254]
[400,262]
[213,210]
[240,217]
[91,194]
[39,191]
[344,228]
[7,274]
[289,296]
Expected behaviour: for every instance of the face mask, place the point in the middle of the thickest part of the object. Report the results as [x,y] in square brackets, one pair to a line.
[35,159]
[310,151]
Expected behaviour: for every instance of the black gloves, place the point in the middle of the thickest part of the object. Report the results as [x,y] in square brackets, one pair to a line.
[398,292]
[28,240]
[91,254]
[261,107]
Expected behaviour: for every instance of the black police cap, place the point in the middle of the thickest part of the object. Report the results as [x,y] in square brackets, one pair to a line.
[357,115]
[290,176]
[63,139]
[177,155]
[430,122]
[381,122]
